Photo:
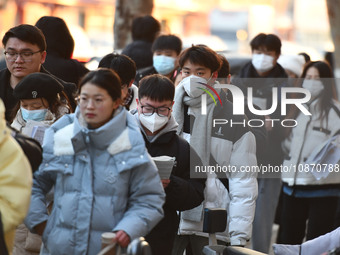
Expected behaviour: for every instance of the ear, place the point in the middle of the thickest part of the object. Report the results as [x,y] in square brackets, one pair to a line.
[215,75]
[117,103]
[229,79]
[43,57]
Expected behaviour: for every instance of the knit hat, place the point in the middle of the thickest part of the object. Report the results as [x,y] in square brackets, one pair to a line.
[37,85]
[293,63]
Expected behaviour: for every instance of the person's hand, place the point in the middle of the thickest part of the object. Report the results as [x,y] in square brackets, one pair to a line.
[39,229]
[122,238]
[165,183]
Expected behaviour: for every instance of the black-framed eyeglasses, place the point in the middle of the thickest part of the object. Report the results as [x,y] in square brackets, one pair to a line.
[24,55]
[148,110]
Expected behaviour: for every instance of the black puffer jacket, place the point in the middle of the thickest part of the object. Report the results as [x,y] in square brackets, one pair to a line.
[262,89]
[182,193]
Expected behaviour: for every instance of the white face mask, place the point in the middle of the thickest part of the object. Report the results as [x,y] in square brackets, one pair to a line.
[262,62]
[153,122]
[315,87]
[192,86]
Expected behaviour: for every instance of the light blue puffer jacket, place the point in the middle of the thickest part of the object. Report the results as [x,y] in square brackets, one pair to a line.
[104,180]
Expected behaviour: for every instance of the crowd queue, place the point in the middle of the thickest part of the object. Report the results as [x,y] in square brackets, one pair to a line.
[93,169]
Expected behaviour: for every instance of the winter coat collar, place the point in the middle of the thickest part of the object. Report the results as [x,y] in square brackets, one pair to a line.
[113,136]
[165,135]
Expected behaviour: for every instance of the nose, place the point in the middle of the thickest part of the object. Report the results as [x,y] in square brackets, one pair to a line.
[90,104]
[18,58]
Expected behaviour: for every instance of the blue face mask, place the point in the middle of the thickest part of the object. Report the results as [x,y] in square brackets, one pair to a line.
[36,115]
[164,64]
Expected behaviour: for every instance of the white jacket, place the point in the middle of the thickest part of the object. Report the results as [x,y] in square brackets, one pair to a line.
[308,134]
[230,146]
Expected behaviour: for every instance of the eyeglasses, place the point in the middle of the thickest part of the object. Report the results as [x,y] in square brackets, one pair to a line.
[161,111]
[26,56]
[84,101]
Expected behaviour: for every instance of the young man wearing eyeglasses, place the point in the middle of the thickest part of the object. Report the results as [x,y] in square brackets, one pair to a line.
[153,115]
[25,52]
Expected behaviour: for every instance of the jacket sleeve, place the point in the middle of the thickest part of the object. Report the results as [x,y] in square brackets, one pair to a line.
[242,184]
[184,193]
[146,199]
[43,182]
[243,190]
[15,182]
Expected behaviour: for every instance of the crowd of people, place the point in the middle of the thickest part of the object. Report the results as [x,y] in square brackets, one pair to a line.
[100,135]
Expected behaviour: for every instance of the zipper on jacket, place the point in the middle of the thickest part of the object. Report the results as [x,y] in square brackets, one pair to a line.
[303,143]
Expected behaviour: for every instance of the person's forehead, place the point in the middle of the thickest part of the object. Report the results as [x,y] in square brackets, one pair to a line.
[31,101]
[147,100]
[194,67]
[166,51]
[15,43]
[312,71]
[263,48]
[92,89]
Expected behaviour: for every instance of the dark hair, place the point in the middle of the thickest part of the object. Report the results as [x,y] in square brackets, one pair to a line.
[26,33]
[156,87]
[329,92]
[269,41]
[225,68]
[306,56]
[58,37]
[201,55]
[145,28]
[167,42]
[104,78]
[124,66]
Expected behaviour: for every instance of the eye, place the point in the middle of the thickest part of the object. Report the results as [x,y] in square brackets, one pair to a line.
[148,108]
[11,53]
[99,100]
[26,54]
[200,73]
[37,107]
[162,110]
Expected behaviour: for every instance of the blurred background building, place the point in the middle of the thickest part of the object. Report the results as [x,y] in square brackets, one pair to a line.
[225,25]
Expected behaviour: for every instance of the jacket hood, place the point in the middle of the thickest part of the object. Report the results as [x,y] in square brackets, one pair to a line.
[171,126]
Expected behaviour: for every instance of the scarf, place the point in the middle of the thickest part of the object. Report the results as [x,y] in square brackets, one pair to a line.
[200,138]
